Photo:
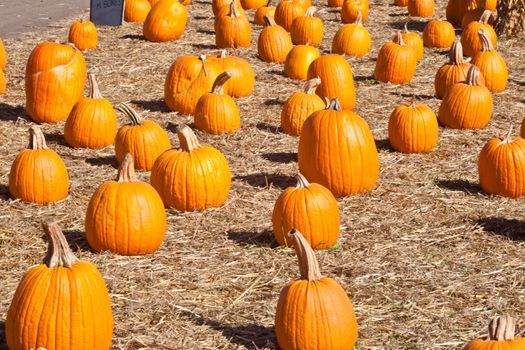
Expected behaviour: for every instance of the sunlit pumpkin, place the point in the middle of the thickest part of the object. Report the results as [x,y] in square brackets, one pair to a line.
[166,21]
[396,62]
[470,37]
[298,61]
[491,65]
[352,39]
[274,42]
[83,34]
[351,8]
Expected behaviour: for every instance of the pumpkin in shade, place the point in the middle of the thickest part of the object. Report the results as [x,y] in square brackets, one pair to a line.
[253,4]
[501,336]
[467,104]
[166,21]
[3,58]
[438,34]
[93,122]
[193,177]
[188,79]
[413,40]
[38,175]
[337,79]
[455,11]
[470,38]
[125,216]
[83,34]
[352,39]
[220,5]
[136,10]
[314,312]
[242,79]
[307,29]
[60,304]
[298,61]
[274,42]
[396,62]
[232,30]
[299,106]
[258,17]
[474,15]
[351,9]
[217,113]
[401,3]
[2,82]
[491,65]
[338,151]
[288,10]
[145,140]
[421,8]
[413,128]
[54,82]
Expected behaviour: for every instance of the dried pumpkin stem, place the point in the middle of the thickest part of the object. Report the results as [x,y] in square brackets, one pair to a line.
[187,138]
[302,182]
[308,265]
[36,138]
[485,16]
[413,102]
[269,21]
[334,105]
[455,54]
[234,12]
[126,171]
[508,137]
[486,44]
[218,84]
[223,54]
[473,76]
[310,12]
[94,91]
[501,328]
[359,19]
[203,59]
[133,116]
[311,85]
[58,252]
[400,40]
[406,27]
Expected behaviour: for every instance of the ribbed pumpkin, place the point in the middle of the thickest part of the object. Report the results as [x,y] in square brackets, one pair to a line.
[470,38]
[413,40]
[298,61]
[83,34]
[338,151]
[242,79]
[299,106]
[93,122]
[166,21]
[288,10]
[2,82]
[413,128]
[314,312]
[253,4]
[352,39]
[3,56]
[421,8]
[38,175]
[351,9]
[307,29]
[54,82]
[438,34]
[145,140]
[217,113]
[60,304]
[491,65]
[188,79]
[337,79]
[136,10]
[396,63]
[501,336]
[467,104]
[232,30]
[258,17]
[455,10]
[274,42]
[125,216]
[194,177]
[401,3]
[219,6]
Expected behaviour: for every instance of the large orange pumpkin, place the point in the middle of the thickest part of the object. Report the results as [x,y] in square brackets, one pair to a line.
[413,40]
[298,61]
[218,6]
[470,37]
[396,62]
[232,30]
[274,42]
[136,10]
[352,39]
[491,65]
[501,336]
[288,10]
[83,34]
[166,21]
[307,29]
[351,9]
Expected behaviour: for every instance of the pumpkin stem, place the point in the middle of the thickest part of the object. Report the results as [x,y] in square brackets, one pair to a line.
[485,16]
[203,59]
[58,251]
[334,105]
[311,85]
[308,265]
[310,12]
[406,27]
[473,76]
[400,40]
[413,102]
[302,182]
[501,328]
[126,171]
[455,54]
[218,85]
[269,3]
[234,12]
[133,116]
[36,138]
[486,44]
[94,91]
[269,21]
[359,19]
[188,140]
[223,54]
[508,137]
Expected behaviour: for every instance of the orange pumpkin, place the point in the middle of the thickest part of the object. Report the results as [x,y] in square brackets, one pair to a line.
[438,34]
[288,10]
[83,34]
[298,320]
[153,2]
[298,61]
[166,21]
[194,177]
[421,8]
[351,9]
[401,3]
[232,30]
[274,43]
[136,10]
[2,82]
[501,336]
[307,29]
[242,79]
[60,304]
[38,175]
[470,38]
[474,14]
[253,4]
[55,79]
[220,5]
[455,10]
[3,57]
[352,39]
[396,62]
[491,65]
[258,17]
[335,3]
[413,40]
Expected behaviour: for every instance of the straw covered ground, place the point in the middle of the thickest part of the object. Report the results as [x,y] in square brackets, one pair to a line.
[427,257]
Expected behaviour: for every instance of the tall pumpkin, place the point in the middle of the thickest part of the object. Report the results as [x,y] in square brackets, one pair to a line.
[60,304]
[274,42]
[136,11]
[338,151]
[421,8]
[413,40]
[396,62]
[288,10]
[352,39]
[298,61]
[54,82]
[438,34]
[307,29]
[491,65]
[242,79]
[298,321]
[351,8]
[470,37]
[166,21]
[232,30]
[83,34]
[501,336]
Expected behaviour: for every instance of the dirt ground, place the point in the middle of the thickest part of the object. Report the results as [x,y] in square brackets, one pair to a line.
[427,257]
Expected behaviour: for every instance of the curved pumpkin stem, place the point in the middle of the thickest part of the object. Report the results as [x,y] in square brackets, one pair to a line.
[308,265]
[36,138]
[334,105]
[455,54]
[218,84]
[126,171]
[269,21]
[302,182]
[187,138]
[501,328]
[359,19]
[94,91]
[473,76]
[133,116]
[223,54]
[486,44]
[311,85]
[203,59]
[508,138]
[413,102]
[400,40]
[485,17]
[234,12]
[310,12]
[58,251]
[406,28]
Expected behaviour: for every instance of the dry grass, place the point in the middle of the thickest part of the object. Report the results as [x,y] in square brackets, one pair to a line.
[427,257]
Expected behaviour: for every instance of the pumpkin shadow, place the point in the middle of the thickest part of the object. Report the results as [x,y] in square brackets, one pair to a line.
[133,37]
[12,113]
[412,25]
[268,128]
[204,46]
[265,180]
[4,192]
[384,145]
[206,31]
[419,97]
[152,105]
[460,185]
[363,78]
[56,139]
[173,127]
[3,340]
[77,240]
[276,72]
[280,157]
[103,161]
[517,82]
[512,229]
[273,102]
[249,239]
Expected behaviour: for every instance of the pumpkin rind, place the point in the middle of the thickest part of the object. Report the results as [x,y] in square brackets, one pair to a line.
[3,83]
[166,21]
[470,38]
[253,4]
[396,63]
[83,34]
[491,65]
[352,39]
[439,34]
[307,29]
[136,11]
[274,43]
[455,11]
[220,5]
[298,61]
[351,9]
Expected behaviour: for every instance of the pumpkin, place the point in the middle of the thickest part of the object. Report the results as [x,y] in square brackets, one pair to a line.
[501,167]
[351,9]
[352,39]
[83,34]
[314,312]
[288,10]
[501,336]
[467,104]
[242,79]
[307,29]
[166,21]
[93,122]
[298,61]
[54,81]
[3,56]
[413,128]
[401,3]
[438,34]
[217,113]
[189,77]
[396,62]
[491,65]
[153,2]
[299,106]
[145,140]
[335,3]
[413,40]
[337,79]
[225,11]
[194,177]
[2,82]
[220,5]
[338,151]
[38,175]
[136,10]
[232,30]
[470,38]
[474,15]
[258,17]
[60,304]
[421,8]
[125,216]
[455,11]
[253,4]
[274,42]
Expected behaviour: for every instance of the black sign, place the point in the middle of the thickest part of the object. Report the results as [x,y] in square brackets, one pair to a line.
[107,12]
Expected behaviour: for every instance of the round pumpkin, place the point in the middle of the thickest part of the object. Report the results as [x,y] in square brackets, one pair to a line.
[274,43]
[288,10]
[298,61]
[438,34]
[470,37]
[396,62]
[3,56]
[258,17]
[232,30]
[242,79]
[136,11]
[501,336]
[491,65]
[352,39]
[351,9]
[421,8]
[413,40]
[38,175]
[83,34]
[307,29]
[166,21]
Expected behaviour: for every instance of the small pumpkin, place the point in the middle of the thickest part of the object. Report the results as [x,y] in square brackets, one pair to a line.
[136,11]
[62,303]
[438,34]
[166,21]
[253,4]
[2,82]
[491,65]
[242,79]
[396,62]
[421,8]
[413,40]
[258,17]
[93,122]
[351,9]
[38,175]
[501,336]
[3,56]
[145,140]
[470,38]
[274,43]
[83,34]
[307,29]
[232,30]
[298,324]
[401,3]
[299,106]
[288,10]
[467,104]
[298,61]
[352,39]
[193,177]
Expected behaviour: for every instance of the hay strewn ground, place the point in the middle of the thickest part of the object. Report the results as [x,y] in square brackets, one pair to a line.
[427,257]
